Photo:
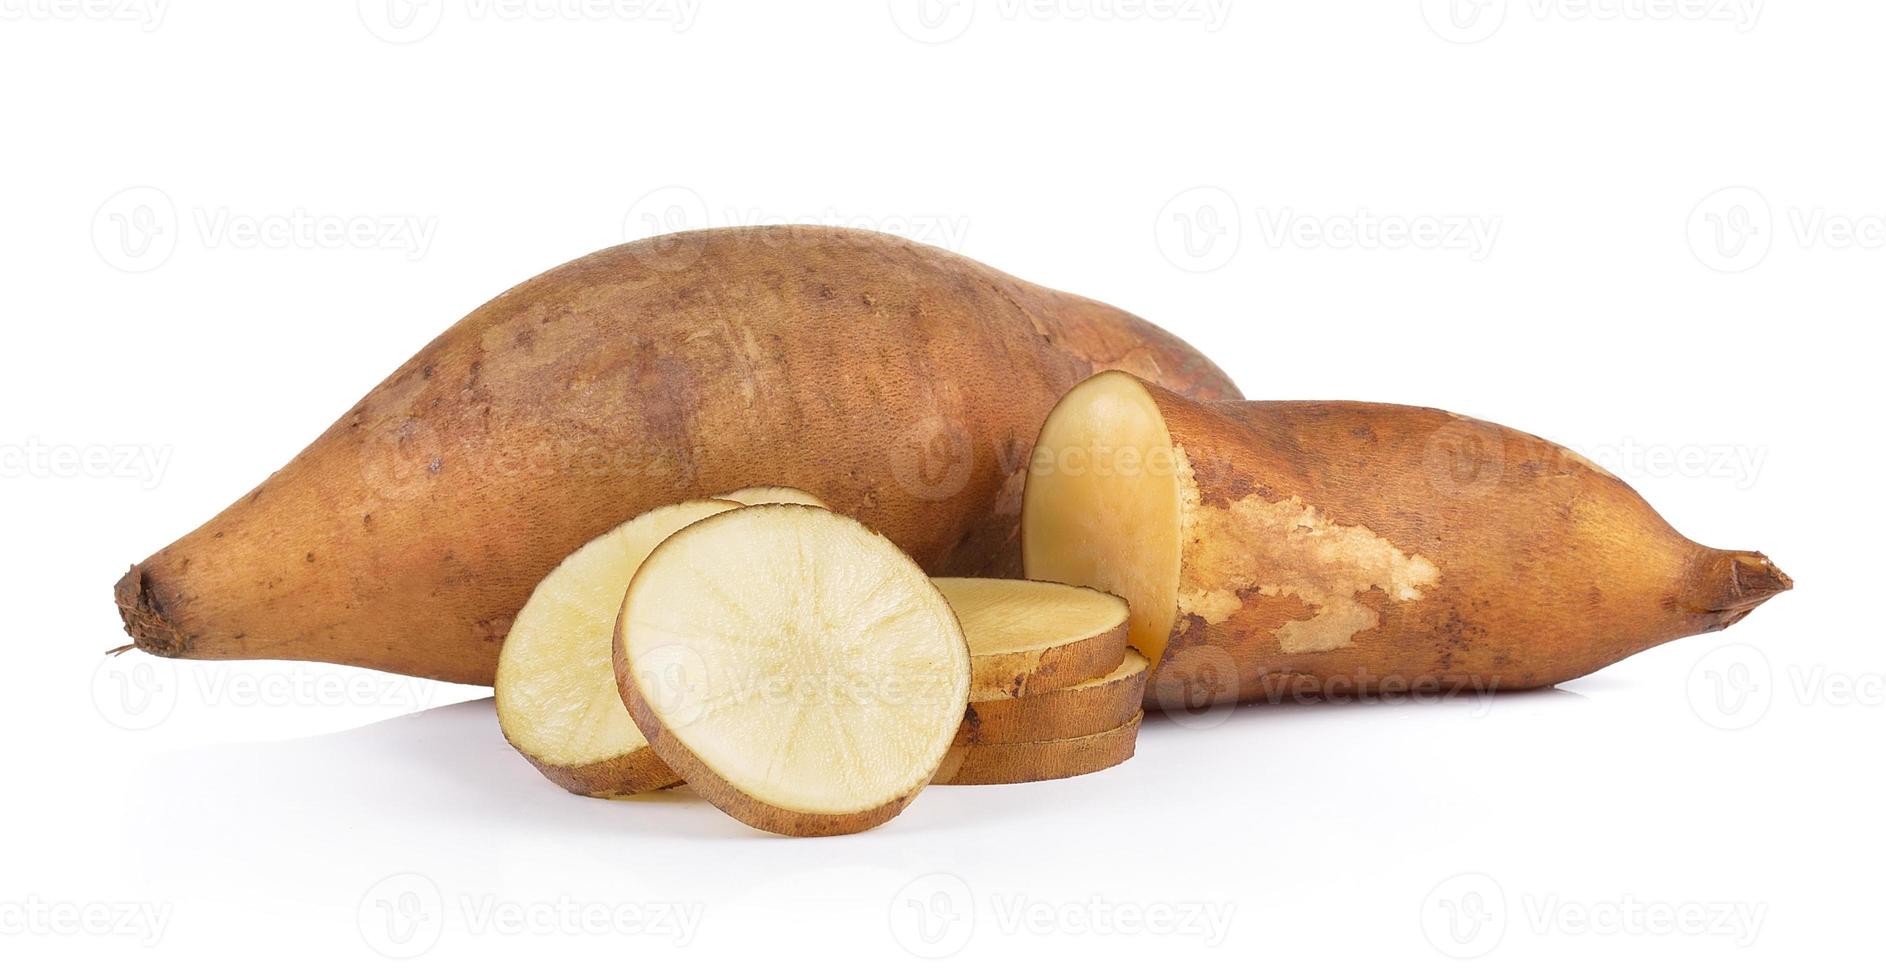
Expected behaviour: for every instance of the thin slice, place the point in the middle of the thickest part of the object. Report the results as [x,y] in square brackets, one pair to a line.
[556,685]
[1087,708]
[796,668]
[1029,762]
[1028,637]
[773,495]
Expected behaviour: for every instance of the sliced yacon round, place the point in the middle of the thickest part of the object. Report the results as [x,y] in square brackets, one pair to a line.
[796,668]
[773,495]
[556,685]
[1029,762]
[1028,637]
[1087,708]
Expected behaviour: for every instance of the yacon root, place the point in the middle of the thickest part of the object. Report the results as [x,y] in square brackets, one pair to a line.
[1339,547]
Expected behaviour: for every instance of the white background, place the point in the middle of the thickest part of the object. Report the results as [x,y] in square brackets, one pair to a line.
[1656,237]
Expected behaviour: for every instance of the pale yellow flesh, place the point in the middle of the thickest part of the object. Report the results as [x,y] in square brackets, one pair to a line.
[772,495]
[556,688]
[799,656]
[1013,615]
[1102,504]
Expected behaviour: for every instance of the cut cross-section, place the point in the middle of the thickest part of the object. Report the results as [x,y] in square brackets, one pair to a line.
[796,668]
[1028,637]
[1102,503]
[556,685]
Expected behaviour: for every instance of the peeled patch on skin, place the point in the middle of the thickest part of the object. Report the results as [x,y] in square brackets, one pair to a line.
[1287,548]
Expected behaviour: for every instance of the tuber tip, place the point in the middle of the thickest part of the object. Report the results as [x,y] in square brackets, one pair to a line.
[1743,580]
[144,617]
[1757,578]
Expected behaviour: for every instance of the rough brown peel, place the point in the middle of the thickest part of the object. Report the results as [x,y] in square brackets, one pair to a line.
[974,764]
[1275,550]
[1100,704]
[899,383]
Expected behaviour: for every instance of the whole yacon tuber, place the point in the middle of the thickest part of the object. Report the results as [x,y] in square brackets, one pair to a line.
[902,384]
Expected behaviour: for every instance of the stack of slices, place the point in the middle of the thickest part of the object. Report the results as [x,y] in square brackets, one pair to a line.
[798,671]
[1054,690]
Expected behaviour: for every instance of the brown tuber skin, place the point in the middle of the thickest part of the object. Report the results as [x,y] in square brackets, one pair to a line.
[900,383]
[1332,548]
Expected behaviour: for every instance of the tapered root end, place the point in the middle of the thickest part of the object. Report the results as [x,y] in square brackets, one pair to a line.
[1742,581]
[1757,578]
[144,617]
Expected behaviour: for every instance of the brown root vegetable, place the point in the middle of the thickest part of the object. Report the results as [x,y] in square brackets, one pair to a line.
[800,672]
[556,684]
[1027,637]
[902,384]
[1092,706]
[1273,549]
[772,495]
[1030,762]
